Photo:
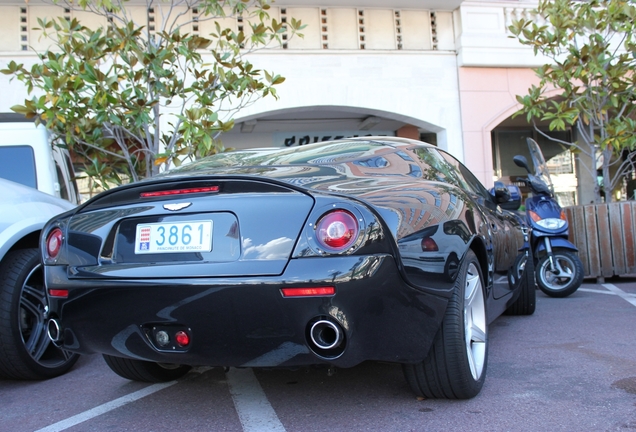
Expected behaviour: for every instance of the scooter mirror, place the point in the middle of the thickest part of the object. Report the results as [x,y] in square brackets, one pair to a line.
[521,161]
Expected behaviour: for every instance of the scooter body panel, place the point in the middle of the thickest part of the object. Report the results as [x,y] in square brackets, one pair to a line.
[545,206]
[555,242]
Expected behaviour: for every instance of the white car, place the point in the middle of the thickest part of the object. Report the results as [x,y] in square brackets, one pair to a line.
[28,157]
[25,349]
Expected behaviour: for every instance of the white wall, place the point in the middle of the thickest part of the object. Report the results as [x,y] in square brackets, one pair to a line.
[483,38]
[415,87]
[403,85]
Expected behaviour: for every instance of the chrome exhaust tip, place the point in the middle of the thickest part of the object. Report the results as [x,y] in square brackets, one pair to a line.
[53,331]
[325,335]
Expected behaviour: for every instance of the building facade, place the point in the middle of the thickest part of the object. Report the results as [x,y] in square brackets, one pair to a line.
[444,71]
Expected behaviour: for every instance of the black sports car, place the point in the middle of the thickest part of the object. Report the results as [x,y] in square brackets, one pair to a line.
[333,253]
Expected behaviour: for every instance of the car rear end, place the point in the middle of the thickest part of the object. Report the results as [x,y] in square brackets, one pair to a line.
[231,271]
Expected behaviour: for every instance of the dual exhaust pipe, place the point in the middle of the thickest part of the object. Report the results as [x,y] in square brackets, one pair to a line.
[326,338]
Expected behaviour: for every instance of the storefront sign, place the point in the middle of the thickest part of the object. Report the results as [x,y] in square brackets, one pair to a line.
[287,139]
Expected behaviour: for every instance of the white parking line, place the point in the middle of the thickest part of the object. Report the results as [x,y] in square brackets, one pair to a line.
[631,298]
[253,408]
[104,408]
[597,291]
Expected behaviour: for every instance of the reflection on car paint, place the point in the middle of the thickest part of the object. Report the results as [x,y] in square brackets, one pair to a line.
[275,249]
[286,351]
[119,341]
[339,315]
[166,313]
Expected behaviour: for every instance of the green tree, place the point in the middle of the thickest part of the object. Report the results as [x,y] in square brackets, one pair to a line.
[134,98]
[592,55]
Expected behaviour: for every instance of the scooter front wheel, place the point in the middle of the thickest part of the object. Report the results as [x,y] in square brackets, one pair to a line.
[563,276]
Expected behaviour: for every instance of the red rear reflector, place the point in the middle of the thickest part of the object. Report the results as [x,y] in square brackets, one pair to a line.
[308,292]
[182,338]
[179,192]
[63,293]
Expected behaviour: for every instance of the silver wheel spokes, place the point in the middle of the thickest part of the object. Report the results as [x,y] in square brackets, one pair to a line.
[32,322]
[564,276]
[474,322]
[522,266]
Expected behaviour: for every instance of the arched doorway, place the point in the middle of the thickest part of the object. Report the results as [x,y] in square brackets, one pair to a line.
[304,125]
[492,136]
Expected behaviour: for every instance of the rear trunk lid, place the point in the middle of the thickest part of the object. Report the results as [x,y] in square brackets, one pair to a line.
[195,227]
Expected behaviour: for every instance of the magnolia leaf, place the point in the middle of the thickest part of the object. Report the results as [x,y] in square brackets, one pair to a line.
[21,109]
[160,160]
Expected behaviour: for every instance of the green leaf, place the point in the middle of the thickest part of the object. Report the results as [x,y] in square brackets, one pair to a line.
[21,109]
[115,82]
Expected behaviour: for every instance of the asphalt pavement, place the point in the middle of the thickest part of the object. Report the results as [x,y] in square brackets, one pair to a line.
[569,367]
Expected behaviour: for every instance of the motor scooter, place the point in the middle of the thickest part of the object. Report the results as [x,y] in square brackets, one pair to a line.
[557,266]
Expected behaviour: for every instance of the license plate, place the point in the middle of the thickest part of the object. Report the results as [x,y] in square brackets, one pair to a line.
[174,237]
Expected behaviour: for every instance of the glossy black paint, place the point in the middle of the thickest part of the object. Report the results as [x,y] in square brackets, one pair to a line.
[419,211]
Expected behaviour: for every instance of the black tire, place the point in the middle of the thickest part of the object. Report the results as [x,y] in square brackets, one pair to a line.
[25,350]
[455,367]
[145,371]
[521,276]
[570,275]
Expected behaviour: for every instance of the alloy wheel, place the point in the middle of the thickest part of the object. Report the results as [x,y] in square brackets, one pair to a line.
[475,326]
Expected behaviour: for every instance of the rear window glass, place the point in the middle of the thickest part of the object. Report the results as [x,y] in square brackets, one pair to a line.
[324,153]
[17,163]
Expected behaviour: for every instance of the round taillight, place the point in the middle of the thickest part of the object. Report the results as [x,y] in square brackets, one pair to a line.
[54,243]
[337,229]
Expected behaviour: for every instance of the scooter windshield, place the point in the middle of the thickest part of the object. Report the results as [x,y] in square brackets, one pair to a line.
[540,166]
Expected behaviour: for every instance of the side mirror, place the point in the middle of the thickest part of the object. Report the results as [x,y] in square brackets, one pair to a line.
[514,203]
[501,192]
[521,161]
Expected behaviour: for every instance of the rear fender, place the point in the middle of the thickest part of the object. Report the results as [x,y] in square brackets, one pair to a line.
[479,248]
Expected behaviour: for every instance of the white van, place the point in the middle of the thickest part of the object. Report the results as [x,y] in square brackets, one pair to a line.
[28,157]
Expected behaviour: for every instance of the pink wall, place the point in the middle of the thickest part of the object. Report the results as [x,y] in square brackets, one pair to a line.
[488,97]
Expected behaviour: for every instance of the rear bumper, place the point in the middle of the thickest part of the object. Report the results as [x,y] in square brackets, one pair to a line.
[246,321]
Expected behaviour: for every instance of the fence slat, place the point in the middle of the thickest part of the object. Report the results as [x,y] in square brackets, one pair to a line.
[629,239]
[604,243]
[578,235]
[616,236]
[591,228]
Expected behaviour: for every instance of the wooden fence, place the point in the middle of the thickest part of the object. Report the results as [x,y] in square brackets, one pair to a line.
[605,235]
